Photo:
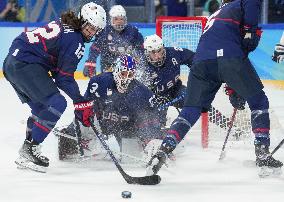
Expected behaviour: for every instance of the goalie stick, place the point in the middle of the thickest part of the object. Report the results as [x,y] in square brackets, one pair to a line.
[146,180]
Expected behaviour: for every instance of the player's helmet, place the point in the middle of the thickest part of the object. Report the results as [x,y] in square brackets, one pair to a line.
[124,72]
[94,16]
[117,12]
[154,50]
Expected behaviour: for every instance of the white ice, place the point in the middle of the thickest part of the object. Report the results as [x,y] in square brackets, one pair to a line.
[196,176]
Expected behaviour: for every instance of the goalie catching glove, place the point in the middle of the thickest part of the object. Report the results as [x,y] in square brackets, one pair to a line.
[236,100]
[278,55]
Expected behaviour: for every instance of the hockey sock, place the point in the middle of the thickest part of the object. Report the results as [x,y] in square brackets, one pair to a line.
[182,124]
[260,118]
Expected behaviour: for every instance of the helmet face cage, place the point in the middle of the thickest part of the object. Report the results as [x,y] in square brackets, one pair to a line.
[160,60]
[118,27]
[117,15]
[89,31]
[124,72]
[154,50]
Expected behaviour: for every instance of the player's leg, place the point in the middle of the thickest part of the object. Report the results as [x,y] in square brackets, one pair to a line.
[245,81]
[34,86]
[202,86]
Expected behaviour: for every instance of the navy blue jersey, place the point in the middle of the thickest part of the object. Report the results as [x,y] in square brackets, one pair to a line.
[111,44]
[222,35]
[123,111]
[166,77]
[57,48]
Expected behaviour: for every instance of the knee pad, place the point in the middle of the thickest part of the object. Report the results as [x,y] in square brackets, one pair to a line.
[57,102]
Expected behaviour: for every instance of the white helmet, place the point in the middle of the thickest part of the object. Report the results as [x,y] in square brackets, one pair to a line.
[93,14]
[118,11]
[154,43]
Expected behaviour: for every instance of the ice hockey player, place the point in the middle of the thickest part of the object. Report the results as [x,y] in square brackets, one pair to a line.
[163,70]
[56,48]
[116,39]
[124,107]
[278,55]
[230,35]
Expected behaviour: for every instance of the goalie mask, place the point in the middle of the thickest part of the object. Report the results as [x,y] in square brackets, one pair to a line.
[93,18]
[118,17]
[154,50]
[124,72]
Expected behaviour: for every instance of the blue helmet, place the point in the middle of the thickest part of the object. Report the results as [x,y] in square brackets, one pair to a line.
[124,72]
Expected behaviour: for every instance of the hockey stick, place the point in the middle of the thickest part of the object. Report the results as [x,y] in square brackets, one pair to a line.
[277,147]
[164,106]
[222,154]
[146,180]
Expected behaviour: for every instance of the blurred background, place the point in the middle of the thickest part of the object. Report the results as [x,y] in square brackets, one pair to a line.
[137,10]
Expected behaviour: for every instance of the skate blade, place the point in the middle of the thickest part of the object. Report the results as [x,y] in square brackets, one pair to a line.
[265,172]
[23,163]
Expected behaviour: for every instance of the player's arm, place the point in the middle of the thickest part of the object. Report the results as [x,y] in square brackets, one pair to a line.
[67,64]
[278,55]
[138,40]
[71,51]
[251,32]
[186,56]
[137,43]
[94,52]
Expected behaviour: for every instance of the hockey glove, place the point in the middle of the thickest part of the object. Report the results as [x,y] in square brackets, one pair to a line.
[84,111]
[251,38]
[89,69]
[236,100]
[278,55]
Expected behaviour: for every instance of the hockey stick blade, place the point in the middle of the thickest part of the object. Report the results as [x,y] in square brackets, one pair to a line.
[145,180]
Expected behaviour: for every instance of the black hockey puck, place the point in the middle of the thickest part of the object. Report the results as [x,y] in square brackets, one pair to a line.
[126,194]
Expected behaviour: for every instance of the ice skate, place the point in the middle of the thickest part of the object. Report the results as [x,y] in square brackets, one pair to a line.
[31,158]
[268,166]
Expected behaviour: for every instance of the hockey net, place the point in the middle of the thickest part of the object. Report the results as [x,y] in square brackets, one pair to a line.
[184,32]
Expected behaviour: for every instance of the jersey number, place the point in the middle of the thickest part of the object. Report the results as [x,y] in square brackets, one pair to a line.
[49,32]
[94,88]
